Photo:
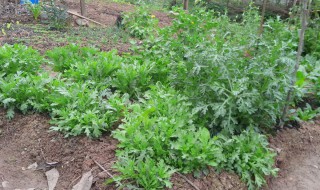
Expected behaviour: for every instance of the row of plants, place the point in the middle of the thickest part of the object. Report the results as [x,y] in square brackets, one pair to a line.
[76,106]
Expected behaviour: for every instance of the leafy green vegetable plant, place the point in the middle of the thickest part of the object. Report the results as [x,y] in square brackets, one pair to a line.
[14,58]
[145,171]
[132,78]
[305,114]
[79,109]
[226,69]
[24,92]
[64,57]
[161,128]
[249,156]
[101,68]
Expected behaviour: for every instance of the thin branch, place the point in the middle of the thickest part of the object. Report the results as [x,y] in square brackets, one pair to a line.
[74,180]
[304,23]
[76,14]
[101,167]
[187,180]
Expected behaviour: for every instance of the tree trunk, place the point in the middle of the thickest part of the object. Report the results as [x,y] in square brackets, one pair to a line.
[304,23]
[83,7]
[185,4]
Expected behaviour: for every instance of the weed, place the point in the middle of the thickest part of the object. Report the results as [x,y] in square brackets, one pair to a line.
[35,9]
[57,15]
[140,23]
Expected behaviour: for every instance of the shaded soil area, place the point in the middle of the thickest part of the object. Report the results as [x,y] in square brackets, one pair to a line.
[27,139]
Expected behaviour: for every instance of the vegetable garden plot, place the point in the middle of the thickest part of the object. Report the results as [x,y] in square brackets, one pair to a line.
[194,96]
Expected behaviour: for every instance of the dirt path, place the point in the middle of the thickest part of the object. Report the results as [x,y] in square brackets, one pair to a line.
[299,158]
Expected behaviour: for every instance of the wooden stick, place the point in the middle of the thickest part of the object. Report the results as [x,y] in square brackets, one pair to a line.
[83,8]
[304,24]
[187,180]
[16,7]
[76,14]
[100,166]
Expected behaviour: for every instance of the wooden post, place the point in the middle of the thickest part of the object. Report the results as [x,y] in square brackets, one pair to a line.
[173,3]
[262,16]
[83,7]
[16,7]
[304,23]
[185,4]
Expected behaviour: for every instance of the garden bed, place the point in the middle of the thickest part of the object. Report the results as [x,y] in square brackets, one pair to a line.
[145,105]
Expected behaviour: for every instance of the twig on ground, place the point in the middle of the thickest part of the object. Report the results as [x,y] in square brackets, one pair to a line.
[74,180]
[42,154]
[86,18]
[100,166]
[187,180]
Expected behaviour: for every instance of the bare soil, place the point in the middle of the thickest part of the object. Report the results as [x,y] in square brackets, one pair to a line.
[108,12]
[298,158]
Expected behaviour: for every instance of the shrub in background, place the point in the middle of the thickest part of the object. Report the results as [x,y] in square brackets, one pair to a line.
[140,23]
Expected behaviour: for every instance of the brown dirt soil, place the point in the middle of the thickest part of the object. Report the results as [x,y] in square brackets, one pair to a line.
[298,158]
[27,139]
[108,12]
[103,12]
[10,12]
